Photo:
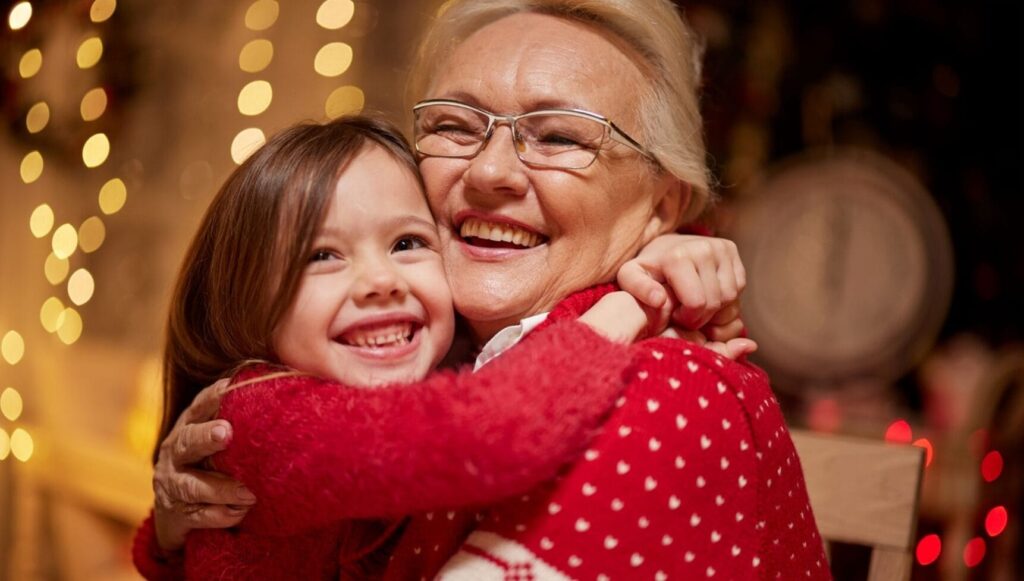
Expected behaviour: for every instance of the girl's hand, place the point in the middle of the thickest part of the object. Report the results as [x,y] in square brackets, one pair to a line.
[701,279]
[705,274]
[622,319]
[187,497]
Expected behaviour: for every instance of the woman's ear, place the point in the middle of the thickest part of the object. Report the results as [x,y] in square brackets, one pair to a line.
[671,200]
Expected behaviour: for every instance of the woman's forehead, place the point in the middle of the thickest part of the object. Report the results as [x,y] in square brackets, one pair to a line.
[533,61]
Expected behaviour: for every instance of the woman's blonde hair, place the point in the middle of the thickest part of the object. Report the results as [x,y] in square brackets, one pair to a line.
[670,117]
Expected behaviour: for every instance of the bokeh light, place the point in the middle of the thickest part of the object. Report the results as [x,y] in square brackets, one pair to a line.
[94,104]
[974,552]
[929,451]
[333,59]
[261,15]
[11,404]
[899,432]
[245,143]
[995,521]
[5,444]
[12,347]
[49,314]
[56,269]
[91,234]
[343,101]
[256,55]
[69,326]
[37,118]
[21,445]
[30,63]
[81,287]
[31,167]
[928,549]
[96,150]
[41,221]
[113,195]
[102,10]
[65,240]
[334,14]
[991,466]
[89,52]
[19,15]
[255,97]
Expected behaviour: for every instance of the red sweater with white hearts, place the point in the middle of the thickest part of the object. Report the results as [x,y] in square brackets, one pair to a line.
[318,455]
[692,476]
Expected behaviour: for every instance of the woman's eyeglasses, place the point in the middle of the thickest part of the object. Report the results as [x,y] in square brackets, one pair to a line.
[553,138]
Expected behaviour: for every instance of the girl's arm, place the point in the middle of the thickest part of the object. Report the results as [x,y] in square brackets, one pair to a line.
[315,452]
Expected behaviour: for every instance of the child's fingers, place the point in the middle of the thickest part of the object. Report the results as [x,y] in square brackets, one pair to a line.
[733,349]
[725,332]
[727,283]
[737,348]
[727,314]
[637,281]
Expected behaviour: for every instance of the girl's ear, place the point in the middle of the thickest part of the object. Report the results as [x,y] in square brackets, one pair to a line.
[670,203]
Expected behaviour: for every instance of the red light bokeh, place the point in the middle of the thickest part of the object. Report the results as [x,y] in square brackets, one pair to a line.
[899,432]
[995,521]
[974,552]
[992,466]
[928,549]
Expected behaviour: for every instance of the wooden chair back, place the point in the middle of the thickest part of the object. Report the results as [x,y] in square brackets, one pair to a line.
[865,492]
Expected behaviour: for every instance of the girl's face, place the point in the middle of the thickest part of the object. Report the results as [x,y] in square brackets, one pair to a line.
[373,305]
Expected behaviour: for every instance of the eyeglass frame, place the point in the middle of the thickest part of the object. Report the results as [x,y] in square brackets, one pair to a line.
[493,120]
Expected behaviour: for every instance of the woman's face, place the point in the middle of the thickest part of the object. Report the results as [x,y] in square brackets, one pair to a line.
[373,305]
[585,223]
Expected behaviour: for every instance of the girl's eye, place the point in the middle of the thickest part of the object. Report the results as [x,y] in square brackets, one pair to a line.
[409,243]
[320,256]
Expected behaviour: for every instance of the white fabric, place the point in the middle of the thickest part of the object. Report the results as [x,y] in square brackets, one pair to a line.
[520,562]
[506,338]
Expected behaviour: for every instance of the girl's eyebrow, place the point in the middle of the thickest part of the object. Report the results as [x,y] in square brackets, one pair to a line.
[393,223]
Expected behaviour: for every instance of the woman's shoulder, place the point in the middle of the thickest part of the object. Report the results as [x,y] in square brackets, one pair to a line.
[689,369]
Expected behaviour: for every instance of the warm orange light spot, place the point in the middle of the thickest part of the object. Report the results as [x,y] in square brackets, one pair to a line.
[929,452]
[995,521]
[992,466]
[928,549]
[974,552]
[899,432]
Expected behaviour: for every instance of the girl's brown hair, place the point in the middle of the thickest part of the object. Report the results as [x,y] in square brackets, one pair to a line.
[243,268]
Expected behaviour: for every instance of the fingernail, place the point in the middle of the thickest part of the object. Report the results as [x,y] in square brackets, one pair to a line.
[244,494]
[220,433]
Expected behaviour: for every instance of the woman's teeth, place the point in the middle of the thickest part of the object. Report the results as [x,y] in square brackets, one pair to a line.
[389,336]
[476,228]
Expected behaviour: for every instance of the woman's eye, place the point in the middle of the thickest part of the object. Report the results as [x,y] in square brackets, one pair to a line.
[409,243]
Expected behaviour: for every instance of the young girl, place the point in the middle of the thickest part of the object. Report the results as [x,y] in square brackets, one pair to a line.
[319,254]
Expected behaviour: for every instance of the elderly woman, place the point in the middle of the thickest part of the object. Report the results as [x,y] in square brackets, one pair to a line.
[558,137]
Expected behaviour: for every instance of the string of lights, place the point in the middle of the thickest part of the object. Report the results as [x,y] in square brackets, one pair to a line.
[65,240]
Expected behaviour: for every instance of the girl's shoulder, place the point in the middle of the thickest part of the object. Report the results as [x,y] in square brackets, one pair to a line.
[258,371]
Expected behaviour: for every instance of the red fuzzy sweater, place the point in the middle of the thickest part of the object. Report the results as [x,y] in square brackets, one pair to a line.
[692,476]
[317,454]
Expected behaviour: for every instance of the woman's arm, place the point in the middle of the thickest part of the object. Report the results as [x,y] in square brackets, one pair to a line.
[314,452]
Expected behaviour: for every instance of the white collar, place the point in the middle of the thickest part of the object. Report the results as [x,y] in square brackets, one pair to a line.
[506,338]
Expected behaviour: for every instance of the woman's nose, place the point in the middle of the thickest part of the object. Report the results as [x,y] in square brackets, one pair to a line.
[380,282]
[497,169]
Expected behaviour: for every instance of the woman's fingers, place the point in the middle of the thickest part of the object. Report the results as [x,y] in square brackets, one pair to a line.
[206,403]
[215,516]
[184,490]
[638,281]
[192,443]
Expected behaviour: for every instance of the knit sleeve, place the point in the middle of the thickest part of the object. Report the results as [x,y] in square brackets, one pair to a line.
[150,560]
[314,452]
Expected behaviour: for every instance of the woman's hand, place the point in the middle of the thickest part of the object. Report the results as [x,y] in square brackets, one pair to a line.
[187,497]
